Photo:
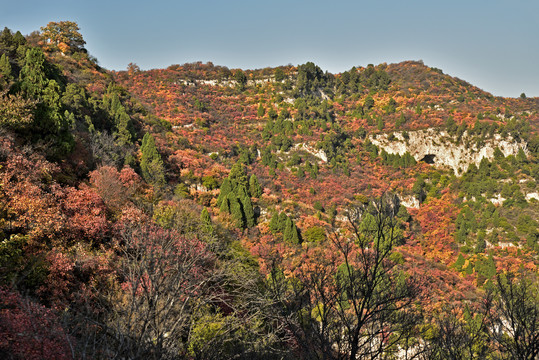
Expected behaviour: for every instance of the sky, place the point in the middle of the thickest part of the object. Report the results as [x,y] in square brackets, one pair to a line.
[493,44]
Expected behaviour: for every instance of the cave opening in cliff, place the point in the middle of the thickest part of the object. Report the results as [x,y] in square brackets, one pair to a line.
[429,158]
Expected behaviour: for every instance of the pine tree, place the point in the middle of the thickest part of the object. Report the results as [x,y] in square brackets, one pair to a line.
[151,164]
[254,186]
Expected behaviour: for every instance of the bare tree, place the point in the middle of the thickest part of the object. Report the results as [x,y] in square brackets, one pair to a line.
[516,317]
[351,301]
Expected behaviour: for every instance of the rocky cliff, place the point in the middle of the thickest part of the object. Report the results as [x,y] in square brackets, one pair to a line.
[442,149]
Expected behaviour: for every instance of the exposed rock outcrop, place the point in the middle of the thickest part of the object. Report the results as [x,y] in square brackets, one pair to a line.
[439,148]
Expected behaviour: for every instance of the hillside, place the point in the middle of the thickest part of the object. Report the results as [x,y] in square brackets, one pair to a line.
[203,212]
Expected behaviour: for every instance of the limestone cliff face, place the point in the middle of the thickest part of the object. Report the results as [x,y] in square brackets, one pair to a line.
[442,149]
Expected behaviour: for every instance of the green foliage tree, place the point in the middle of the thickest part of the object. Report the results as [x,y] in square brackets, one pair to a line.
[206,223]
[5,72]
[151,163]
[279,75]
[236,210]
[254,186]
[33,78]
[369,103]
[314,234]
[225,189]
[246,206]
[261,110]
[238,176]
[241,79]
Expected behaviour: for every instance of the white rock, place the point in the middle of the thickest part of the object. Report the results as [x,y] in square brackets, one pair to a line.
[442,148]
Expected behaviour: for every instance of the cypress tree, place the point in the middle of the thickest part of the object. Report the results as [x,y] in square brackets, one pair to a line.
[226,188]
[236,210]
[5,71]
[254,186]
[225,206]
[283,218]
[460,262]
[151,164]
[290,233]
[205,219]
[295,235]
[247,206]
[274,223]
[32,76]
[261,111]
[238,176]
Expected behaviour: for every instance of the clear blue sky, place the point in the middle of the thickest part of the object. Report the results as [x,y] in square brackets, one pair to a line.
[493,44]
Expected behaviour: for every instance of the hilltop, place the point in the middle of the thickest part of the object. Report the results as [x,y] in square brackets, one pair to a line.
[251,213]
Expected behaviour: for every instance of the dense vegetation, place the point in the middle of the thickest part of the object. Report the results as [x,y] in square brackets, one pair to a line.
[201,212]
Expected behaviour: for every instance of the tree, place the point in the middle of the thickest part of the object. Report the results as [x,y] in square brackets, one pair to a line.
[274,223]
[238,176]
[246,206]
[254,186]
[33,78]
[369,103]
[261,110]
[207,224]
[63,35]
[516,317]
[279,75]
[458,336]
[16,111]
[348,299]
[151,164]
[236,210]
[241,79]
[225,189]
[5,72]
[165,282]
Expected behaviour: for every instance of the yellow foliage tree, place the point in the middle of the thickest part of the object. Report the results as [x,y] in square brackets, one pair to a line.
[63,35]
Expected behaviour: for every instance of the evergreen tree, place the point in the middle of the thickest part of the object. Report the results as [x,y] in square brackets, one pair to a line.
[207,224]
[226,188]
[238,176]
[241,79]
[283,218]
[288,229]
[400,121]
[6,42]
[254,186]
[274,223]
[151,164]
[225,205]
[460,262]
[290,233]
[247,206]
[122,121]
[33,79]
[261,111]
[236,210]
[5,72]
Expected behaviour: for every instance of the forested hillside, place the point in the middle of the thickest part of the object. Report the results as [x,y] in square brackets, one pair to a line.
[202,212]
